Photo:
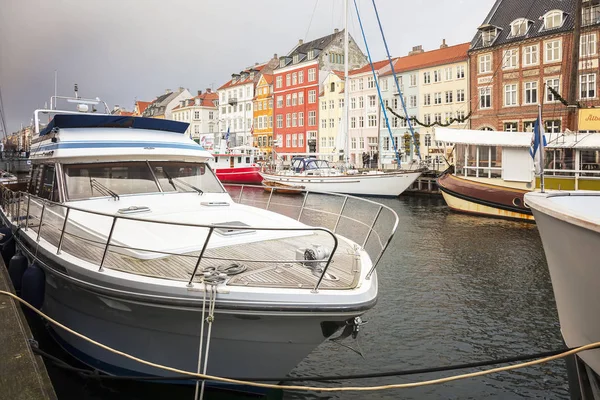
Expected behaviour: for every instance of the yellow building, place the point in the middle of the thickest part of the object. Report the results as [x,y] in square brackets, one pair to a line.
[331,112]
[262,129]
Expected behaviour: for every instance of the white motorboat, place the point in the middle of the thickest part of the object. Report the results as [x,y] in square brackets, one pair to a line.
[129,231]
[7,178]
[318,175]
[569,225]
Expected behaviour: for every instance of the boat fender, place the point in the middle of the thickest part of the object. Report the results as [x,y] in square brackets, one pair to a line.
[33,286]
[7,249]
[5,234]
[16,268]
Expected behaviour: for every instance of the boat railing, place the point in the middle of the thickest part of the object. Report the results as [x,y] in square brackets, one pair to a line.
[367,223]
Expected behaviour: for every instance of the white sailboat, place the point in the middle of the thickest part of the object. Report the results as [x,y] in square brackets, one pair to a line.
[319,176]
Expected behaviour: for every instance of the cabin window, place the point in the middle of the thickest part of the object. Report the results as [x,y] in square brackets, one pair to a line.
[247,160]
[48,188]
[559,162]
[478,161]
[590,162]
[185,177]
[239,160]
[85,181]
[36,179]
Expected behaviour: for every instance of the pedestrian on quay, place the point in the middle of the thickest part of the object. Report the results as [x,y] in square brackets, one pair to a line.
[365,159]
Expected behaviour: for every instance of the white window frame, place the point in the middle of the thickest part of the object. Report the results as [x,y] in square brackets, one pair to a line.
[485,63]
[552,51]
[511,95]
[487,92]
[530,87]
[553,19]
[588,45]
[547,92]
[531,55]
[510,59]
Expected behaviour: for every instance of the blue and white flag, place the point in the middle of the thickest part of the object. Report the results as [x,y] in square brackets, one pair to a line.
[538,130]
[227,135]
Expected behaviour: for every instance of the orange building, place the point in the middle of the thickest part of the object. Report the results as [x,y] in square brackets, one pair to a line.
[263,114]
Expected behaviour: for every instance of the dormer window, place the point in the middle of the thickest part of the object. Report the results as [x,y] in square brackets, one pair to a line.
[553,19]
[282,62]
[488,36]
[519,27]
[311,54]
[295,61]
[590,15]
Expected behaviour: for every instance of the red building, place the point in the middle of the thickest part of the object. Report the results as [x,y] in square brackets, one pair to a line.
[296,85]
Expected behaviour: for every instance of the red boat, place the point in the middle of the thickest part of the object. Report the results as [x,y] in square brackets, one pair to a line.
[238,165]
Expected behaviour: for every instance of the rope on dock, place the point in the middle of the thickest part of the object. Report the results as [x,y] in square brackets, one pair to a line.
[306,388]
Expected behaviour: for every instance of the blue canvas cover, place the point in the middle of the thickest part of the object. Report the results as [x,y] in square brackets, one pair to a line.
[113,121]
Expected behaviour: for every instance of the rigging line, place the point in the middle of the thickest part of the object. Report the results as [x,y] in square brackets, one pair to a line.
[382,105]
[2,115]
[311,19]
[387,51]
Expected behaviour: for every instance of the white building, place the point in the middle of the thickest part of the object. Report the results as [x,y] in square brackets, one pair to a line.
[162,106]
[202,113]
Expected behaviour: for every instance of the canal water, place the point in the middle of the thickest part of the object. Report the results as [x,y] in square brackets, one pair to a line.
[453,289]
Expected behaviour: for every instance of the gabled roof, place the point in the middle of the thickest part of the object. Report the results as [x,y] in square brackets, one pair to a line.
[367,68]
[247,79]
[504,12]
[427,59]
[206,100]
[142,105]
[301,50]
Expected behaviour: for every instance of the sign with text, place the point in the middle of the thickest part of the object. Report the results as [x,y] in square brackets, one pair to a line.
[589,119]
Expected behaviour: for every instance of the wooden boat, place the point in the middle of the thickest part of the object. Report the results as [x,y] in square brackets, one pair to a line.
[282,187]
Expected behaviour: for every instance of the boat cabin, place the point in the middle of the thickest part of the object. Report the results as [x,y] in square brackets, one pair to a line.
[237,157]
[571,161]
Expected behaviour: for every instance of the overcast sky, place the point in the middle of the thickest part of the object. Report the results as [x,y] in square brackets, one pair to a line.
[122,50]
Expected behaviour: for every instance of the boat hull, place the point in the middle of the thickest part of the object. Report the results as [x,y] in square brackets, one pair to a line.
[170,335]
[483,199]
[245,175]
[570,249]
[385,184]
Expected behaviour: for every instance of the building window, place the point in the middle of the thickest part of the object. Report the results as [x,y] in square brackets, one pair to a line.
[294,99]
[301,140]
[528,126]
[413,80]
[295,140]
[361,122]
[288,100]
[384,84]
[437,98]
[278,81]
[530,55]
[361,103]
[553,83]
[288,81]
[294,120]
[553,19]
[323,123]
[460,115]
[312,118]
[353,85]
[553,52]
[288,120]
[353,143]
[312,96]
[360,84]
[587,45]
[437,75]
[288,140]
[372,102]
[294,78]
[552,126]
[485,98]
[510,59]
[331,104]
[531,92]
[372,120]
[427,99]
[323,105]
[353,122]
[300,76]
[370,82]
[511,127]
[413,100]
[301,98]
[587,86]
[323,141]
[485,63]
[426,77]
[460,72]
[312,75]
[279,101]
[353,103]
[519,27]
[449,96]
[427,119]
[460,95]
[510,95]
[341,103]
[590,15]
[331,122]
[301,119]
[438,117]
[271,121]
[449,73]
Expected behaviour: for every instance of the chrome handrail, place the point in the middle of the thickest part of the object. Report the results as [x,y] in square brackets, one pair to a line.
[7,194]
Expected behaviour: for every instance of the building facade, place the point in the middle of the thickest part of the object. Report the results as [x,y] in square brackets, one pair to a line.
[297,83]
[263,115]
[162,106]
[521,52]
[201,112]
[331,131]
[139,107]
[236,99]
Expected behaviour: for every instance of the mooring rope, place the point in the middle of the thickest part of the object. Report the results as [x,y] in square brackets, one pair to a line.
[304,388]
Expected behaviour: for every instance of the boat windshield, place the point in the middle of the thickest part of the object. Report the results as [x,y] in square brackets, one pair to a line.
[84,181]
[317,164]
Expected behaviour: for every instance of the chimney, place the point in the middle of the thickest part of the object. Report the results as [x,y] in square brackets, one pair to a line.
[116,107]
[208,90]
[336,30]
[181,88]
[416,50]
[199,92]
[167,91]
[275,56]
[443,45]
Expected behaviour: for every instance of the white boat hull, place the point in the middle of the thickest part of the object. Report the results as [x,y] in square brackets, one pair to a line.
[571,247]
[383,184]
[170,335]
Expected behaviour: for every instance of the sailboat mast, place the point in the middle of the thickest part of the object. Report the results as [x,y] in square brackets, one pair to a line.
[346,125]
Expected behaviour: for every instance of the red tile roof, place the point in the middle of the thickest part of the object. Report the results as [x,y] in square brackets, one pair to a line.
[367,68]
[431,58]
[142,105]
[340,74]
[206,100]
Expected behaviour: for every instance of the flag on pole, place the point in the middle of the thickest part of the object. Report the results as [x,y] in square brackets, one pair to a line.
[538,132]
[227,135]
